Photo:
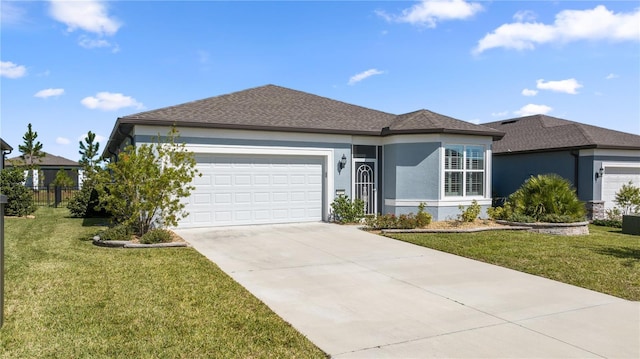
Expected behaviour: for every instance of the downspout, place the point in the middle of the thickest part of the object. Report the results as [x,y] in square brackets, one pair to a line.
[4,155]
[114,155]
[133,140]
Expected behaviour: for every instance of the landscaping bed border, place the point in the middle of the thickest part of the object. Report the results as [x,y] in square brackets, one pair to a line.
[458,230]
[129,244]
[564,229]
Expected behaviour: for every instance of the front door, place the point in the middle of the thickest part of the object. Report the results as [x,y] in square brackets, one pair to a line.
[364,184]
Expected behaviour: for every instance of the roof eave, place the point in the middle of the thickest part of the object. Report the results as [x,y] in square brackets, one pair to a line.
[572,148]
[494,135]
[116,137]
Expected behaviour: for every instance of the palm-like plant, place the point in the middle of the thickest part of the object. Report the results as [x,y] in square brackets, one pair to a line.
[546,198]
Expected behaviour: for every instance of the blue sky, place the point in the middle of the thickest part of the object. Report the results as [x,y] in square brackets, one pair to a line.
[72,67]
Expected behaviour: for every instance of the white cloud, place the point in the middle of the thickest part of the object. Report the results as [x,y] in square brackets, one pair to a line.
[88,15]
[611,76]
[527,92]
[11,14]
[524,15]
[430,12]
[567,86]
[62,141]
[532,109]
[107,101]
[598,23]
[500,114]
[363,75]
[11,70]
[89,43]
[49,93]
[475,121]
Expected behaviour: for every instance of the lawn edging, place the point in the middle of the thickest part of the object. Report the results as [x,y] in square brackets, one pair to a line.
[458,230]
[563,229]
[129,244]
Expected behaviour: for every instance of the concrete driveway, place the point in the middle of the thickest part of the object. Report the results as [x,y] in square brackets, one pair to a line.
[359,295]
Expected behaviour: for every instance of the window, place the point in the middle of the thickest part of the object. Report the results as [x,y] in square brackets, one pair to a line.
[463,170]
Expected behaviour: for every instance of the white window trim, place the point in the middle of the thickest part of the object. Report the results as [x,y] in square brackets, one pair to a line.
[486,171]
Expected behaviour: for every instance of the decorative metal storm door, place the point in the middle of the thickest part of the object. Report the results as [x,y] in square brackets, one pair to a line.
[365,186]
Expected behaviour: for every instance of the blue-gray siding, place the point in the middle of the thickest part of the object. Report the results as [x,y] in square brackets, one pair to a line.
[412,171]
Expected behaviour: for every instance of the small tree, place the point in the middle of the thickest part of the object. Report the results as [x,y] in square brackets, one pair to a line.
[144,187]
[84,203]
[628,198]
[62,179]
[90,160]
[31,151]
[19,198]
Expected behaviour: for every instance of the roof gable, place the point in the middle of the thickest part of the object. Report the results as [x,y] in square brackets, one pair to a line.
[543,133]
[425,121]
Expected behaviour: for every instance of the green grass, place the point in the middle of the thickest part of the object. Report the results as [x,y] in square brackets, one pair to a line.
[606,261]
[66,298]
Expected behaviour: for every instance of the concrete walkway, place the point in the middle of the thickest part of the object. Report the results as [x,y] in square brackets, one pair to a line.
[359,295]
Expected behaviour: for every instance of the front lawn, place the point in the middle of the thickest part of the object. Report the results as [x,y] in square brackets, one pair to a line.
[66,298]
[606,260]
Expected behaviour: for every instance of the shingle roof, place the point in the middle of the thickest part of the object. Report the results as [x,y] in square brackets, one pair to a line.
[427,121]
[276,108]
[545,133]
[48,160]
[270,107]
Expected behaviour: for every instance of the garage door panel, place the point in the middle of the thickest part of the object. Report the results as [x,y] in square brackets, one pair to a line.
[202,198]
[614,178]
[242,189]
[242,198]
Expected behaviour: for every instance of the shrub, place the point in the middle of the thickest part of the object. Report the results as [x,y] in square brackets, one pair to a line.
[628,198]
[19,198]
[471,213]
[84,204]
[156,236]
[116,233]
[607,223]
[347,211]
[613,218]
[403,221]
[422,218]
[542,198]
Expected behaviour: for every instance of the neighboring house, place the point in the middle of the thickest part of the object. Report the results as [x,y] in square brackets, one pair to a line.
[596,160]
[48,167]
[5,149]
[275,155]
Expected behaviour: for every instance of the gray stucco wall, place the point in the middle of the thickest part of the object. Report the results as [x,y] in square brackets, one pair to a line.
[411,171]
[510,171]
[442,213]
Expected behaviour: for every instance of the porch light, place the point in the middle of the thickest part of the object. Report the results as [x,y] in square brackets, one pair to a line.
[600,173]
[343,162]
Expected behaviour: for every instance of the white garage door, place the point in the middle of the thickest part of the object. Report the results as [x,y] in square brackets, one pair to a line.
[614,178]
[241,190]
